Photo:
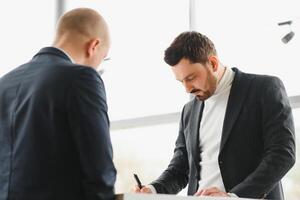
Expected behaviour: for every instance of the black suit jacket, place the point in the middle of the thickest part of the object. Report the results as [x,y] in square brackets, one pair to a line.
[257,146]
[54,132]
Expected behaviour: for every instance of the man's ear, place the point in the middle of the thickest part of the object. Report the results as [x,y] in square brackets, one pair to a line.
[214,61]
[92,46]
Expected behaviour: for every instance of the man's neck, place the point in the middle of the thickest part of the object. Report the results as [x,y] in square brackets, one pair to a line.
[221,72]
[68,50]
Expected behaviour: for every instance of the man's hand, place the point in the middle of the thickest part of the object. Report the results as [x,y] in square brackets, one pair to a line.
[212,191]
[144,190]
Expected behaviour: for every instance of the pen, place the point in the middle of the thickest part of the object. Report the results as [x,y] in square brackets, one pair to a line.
[138,181]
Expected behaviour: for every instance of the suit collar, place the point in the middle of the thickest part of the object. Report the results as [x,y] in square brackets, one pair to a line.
[54,51]
[238,93]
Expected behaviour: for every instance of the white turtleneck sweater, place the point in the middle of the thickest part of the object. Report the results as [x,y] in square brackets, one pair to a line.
[211,126]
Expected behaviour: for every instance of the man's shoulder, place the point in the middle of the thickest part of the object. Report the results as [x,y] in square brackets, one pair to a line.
[258,80]
[84,73]
[53,73]
[68,71]
[78,70]
[261,76]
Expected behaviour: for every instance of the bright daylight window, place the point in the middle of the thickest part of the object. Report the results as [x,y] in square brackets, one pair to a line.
[26,27]
[247,36]
[137,80]
[139,83]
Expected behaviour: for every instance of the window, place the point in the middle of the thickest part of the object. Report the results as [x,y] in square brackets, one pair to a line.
[26,27]
[247,36]
[138,82]
[145,151]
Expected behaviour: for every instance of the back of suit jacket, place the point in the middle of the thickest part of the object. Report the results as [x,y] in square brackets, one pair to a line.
[54,131]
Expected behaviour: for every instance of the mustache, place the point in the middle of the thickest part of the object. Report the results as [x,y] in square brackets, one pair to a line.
[194,91]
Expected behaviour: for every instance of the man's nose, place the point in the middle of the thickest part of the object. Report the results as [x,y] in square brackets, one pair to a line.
[188,87]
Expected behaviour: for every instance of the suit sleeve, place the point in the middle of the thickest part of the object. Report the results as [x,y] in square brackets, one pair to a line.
[89,123]
[278,139]
[175,177]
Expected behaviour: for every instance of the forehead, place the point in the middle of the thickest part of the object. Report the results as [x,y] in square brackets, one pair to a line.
[185,68]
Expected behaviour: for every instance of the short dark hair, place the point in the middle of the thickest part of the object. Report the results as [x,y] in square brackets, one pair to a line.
[191,45]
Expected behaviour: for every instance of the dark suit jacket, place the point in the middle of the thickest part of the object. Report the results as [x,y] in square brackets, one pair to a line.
[257,146]
[54,132]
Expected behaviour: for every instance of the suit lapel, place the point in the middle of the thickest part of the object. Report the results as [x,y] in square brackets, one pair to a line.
[196,114]
[237,96]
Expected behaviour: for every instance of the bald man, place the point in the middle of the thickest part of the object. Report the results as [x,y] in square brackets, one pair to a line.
[54,127]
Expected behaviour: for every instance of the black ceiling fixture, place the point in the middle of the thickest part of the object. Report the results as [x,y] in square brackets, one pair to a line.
[289,35]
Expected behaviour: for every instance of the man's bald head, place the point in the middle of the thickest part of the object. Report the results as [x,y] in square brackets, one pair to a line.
[82,22]
[83,34]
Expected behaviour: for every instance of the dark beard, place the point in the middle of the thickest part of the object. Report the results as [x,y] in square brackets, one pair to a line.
[212,81]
